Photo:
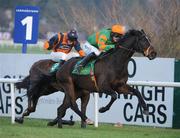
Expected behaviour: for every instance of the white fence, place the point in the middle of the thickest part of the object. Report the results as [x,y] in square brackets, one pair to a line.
[11,81]
[139,83]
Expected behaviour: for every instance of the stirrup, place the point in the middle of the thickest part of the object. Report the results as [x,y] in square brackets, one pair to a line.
[54,68]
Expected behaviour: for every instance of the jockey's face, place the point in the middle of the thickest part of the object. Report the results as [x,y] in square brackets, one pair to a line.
[116,37]
[69,42]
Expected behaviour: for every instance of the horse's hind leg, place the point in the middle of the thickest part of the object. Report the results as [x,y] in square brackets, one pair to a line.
[32,102]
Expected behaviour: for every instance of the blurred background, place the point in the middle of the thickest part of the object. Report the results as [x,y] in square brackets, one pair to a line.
[159,18]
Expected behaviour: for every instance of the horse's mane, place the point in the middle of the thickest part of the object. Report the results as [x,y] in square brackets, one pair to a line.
[131,32]
[104,54]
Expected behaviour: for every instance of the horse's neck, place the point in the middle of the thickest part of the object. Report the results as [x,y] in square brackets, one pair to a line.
[119,59]
[122,55]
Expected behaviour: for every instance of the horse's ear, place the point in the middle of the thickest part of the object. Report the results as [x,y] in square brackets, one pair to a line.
[143,31]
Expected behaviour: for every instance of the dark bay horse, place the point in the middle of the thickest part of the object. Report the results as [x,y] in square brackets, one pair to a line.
[110,71]
[38,84]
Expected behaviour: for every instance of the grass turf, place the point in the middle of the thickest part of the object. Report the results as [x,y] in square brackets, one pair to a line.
[36,128]
[18,49]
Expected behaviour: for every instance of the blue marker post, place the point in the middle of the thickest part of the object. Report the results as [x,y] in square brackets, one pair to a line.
[26,26]
[24,48]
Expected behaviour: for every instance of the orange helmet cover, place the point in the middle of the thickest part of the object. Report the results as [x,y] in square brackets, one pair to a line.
[117,28]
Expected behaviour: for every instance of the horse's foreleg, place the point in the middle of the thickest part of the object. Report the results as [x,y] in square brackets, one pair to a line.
[69,89]
[61,111]
[53,122]
[107,107]
[141,101]
[126,89]
[84,101]
[75,108]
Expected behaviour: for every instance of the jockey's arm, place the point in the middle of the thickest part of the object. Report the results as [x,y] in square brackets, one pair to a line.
[52,41]
[102,43]
[78,49]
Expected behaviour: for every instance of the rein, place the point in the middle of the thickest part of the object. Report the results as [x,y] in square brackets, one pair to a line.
[130,50]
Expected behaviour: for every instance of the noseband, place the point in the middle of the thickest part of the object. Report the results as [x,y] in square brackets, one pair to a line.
[146,52]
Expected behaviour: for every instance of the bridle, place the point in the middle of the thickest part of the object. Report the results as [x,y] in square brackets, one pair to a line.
[146,52]
[130,50]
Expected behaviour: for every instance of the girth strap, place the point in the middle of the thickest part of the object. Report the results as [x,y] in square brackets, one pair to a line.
[93,78]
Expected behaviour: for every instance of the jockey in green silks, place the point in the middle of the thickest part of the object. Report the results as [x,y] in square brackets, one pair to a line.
[101,41]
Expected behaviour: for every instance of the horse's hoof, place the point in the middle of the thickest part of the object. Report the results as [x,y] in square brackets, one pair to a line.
[102,110]
[19,120]
[89,122]
[146,112]
[59,125]
[51,124]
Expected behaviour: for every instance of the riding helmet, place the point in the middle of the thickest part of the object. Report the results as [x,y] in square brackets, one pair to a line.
[72,35]
[119,29]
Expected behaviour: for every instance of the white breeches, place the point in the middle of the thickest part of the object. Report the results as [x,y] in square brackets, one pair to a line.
[57,56]
[88,48]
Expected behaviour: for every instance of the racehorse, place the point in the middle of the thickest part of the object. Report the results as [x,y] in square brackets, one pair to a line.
[111,73]
[37,87]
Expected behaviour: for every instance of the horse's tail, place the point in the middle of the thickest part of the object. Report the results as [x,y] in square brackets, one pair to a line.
[24,84]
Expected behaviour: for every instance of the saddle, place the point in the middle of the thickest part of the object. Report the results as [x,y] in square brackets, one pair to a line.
[89,68]
[86,70]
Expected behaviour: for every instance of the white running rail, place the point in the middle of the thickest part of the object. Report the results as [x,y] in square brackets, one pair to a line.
[11,81]
[140,83]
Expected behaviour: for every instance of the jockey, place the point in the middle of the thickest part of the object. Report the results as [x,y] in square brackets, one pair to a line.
[101,41]
[61,45]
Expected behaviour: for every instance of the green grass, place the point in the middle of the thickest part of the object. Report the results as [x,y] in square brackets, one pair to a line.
[34,128]
[18,49]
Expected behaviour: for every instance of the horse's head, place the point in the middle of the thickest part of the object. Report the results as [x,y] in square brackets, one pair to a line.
[138,41]
[144,45]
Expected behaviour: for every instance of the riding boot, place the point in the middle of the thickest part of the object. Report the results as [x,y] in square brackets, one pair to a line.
[56,66]
[85,60]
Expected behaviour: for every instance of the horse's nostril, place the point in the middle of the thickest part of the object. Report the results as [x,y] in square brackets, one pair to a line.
[152,55]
